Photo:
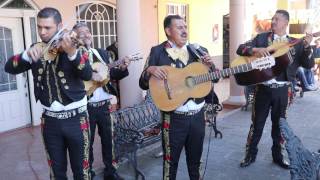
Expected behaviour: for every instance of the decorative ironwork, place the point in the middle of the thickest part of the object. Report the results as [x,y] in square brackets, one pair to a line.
[303,163]
[136,127]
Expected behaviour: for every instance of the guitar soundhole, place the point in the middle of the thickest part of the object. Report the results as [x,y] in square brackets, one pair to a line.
[190,82]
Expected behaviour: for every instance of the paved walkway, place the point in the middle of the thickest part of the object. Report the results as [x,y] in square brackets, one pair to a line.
[225,154]
[22,155]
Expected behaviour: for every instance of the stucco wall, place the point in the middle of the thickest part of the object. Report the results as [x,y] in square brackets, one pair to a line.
[203,15]
[67,8]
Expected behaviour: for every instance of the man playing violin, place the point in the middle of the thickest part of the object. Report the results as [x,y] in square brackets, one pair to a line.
[275,93]
[100,103]
[185,126]
[58,85]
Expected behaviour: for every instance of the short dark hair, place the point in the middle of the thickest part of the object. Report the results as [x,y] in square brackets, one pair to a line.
[168,20]
[284,13]
[50,12]
[79,25]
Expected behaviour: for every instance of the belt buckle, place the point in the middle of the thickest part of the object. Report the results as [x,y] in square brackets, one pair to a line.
[273,85]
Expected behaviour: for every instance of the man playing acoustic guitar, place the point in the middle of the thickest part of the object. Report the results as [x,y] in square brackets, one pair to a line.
[185,126]
[275,93]
[101,101]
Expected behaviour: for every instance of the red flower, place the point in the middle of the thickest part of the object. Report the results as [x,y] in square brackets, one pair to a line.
[84,58]
[85,164]
[165,125]
[50,162]
[167,45]
[84,126]
[114,161]
[167,158]
[15,60]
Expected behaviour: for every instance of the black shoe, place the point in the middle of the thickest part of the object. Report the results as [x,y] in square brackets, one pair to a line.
[114,176]
[282,163]
[247,161]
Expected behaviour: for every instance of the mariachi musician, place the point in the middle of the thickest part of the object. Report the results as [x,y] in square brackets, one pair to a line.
[58,85]
[275,93]
[185,126]
[101,103]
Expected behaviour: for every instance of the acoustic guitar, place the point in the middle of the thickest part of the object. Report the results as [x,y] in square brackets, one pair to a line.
[104,71]
[279,51]
[193,81]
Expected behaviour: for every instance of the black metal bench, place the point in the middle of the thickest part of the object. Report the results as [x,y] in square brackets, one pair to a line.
[134,128]
[139,126]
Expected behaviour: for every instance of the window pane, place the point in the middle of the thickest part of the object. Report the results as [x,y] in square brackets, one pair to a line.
[4,87]
[6,50]
[112,28]
[33,29]
[94,28]
[95,42]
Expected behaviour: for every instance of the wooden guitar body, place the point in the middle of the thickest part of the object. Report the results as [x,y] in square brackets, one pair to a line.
[179,86]
[255,76]
[103,71]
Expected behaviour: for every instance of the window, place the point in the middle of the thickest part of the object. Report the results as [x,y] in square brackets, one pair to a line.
[16,4]
[178,9]
[7,81]
[102,22]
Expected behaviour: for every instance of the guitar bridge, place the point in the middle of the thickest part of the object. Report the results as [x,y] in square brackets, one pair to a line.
[166,85]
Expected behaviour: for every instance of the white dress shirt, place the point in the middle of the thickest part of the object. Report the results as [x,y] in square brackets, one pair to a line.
[190,105]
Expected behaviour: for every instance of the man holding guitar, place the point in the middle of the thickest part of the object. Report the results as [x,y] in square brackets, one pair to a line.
[275,93]
[101,101]
[184,126]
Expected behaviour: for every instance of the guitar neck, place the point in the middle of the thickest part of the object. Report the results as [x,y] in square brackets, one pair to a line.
[223,73]
[115,63]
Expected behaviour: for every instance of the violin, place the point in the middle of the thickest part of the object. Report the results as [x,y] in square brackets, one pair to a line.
[51,49]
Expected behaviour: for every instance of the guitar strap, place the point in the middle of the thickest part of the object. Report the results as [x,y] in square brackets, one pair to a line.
[96,53]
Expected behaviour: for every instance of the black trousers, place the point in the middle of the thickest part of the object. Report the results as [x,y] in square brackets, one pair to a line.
[100,117]
[67,135]
[267,98]
[180,131]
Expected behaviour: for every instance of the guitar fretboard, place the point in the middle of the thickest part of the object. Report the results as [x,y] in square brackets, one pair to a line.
[222,73]
[115,63]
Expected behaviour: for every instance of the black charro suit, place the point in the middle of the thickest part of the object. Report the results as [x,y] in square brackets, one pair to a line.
[61,80]
[178,130]
[99,115]
[276,99]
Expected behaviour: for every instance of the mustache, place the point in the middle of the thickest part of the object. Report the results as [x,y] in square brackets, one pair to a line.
[184,34]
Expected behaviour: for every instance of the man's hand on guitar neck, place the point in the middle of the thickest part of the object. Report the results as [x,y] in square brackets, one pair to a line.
[208,60]
[125,63]
[157,71]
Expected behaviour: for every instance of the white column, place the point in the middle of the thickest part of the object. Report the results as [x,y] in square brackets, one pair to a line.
[237,37]
[129,41]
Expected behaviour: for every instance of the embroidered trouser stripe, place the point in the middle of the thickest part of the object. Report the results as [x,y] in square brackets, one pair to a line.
[182,131]
[72,135]
[100,118]
[265,99]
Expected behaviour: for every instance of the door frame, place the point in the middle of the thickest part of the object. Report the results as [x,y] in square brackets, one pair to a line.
[25,15]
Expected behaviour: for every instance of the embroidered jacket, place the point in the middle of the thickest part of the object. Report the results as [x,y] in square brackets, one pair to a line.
[59,80]
[301,56]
